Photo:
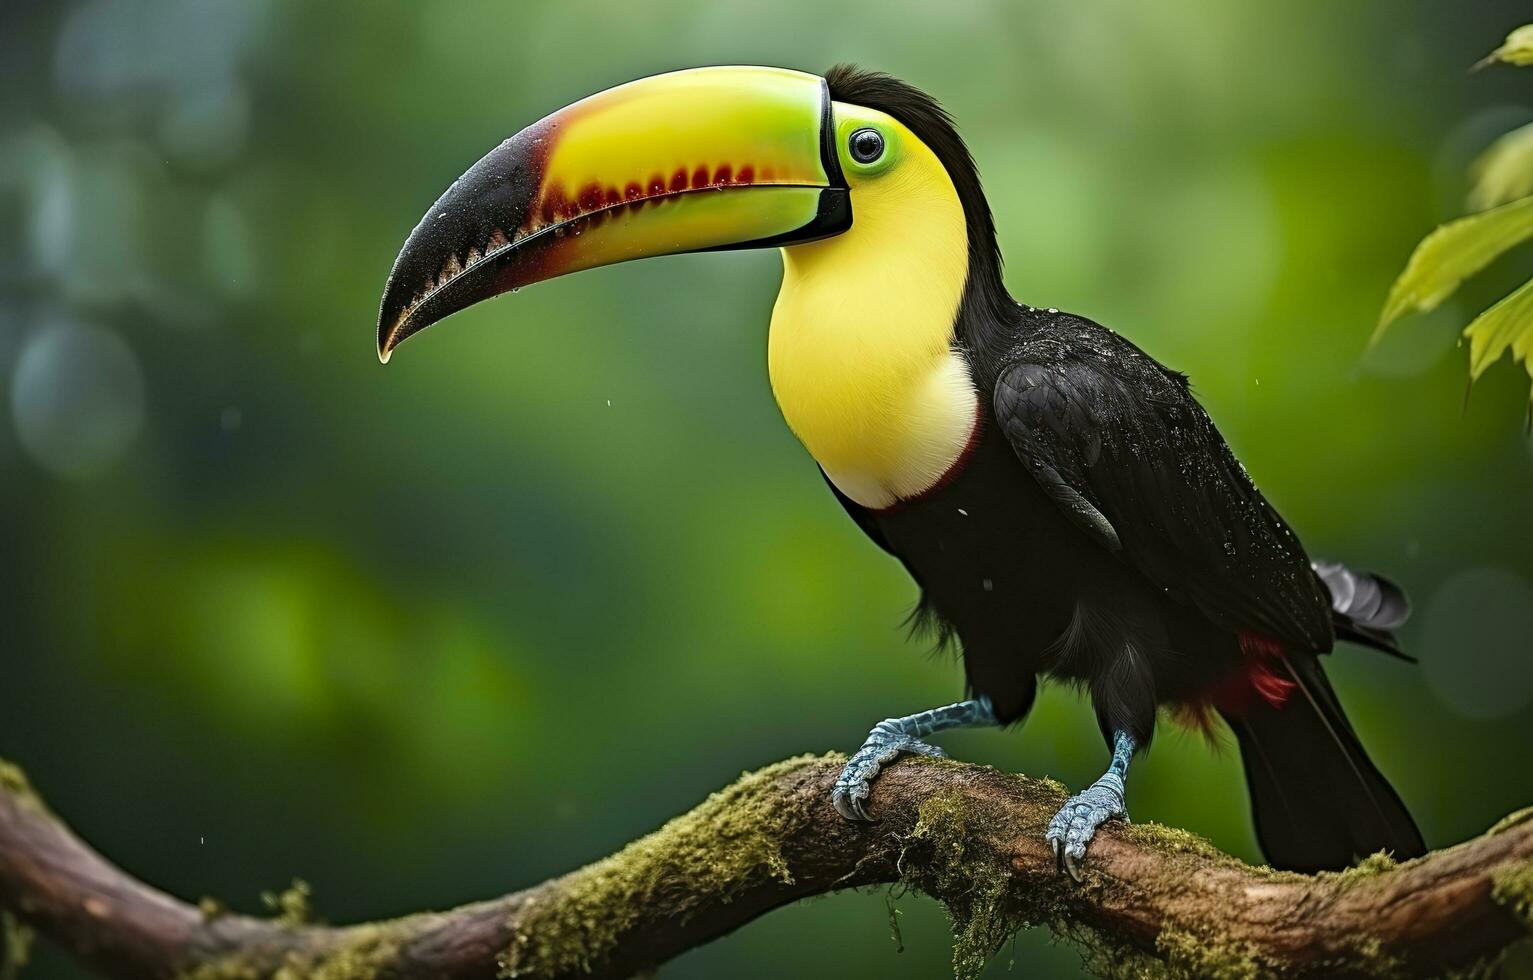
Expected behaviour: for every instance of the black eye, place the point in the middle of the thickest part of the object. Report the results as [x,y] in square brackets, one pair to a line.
[867,145]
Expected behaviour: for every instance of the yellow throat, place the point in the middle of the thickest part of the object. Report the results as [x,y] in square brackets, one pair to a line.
[861,346]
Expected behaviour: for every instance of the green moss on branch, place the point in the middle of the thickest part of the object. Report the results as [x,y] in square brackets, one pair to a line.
[14,783]
[1208,957]
[731,841]
[16,940]
[943,857]
[1157,902]
[363,953]
[294,905]
[1512,888]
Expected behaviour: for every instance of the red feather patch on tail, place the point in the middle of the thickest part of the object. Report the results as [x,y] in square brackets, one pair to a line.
[1263,656]
[1260,677]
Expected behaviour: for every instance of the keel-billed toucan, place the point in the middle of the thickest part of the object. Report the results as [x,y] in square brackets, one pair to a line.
[1063,502]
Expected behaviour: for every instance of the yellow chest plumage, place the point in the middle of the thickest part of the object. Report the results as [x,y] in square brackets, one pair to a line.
[861,348]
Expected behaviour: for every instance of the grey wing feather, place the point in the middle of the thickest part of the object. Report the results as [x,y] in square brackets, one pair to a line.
[1364,598]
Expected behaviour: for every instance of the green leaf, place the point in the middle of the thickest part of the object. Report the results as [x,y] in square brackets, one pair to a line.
[1504,172]
[1453,253]
[1508,324]
[1517,49]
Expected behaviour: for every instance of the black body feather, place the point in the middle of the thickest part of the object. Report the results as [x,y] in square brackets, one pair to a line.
[1319,802]
[1101,532]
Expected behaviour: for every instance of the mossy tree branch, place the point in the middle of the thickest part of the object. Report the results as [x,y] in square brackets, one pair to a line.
[1155,900]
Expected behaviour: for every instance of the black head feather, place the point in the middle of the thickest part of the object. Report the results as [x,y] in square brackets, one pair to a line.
[987,312]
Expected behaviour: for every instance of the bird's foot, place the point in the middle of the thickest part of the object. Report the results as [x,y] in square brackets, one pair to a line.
[1077,821]
[885,742]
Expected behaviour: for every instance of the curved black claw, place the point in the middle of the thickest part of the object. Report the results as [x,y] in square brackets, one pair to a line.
[1077,821]
[884,743]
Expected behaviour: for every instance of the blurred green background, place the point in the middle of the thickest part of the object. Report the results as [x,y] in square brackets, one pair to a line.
[427,633]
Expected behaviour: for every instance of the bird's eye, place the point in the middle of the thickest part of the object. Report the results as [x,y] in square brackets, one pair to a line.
[866,145]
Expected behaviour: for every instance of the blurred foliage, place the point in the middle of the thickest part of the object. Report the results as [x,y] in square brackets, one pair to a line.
[1453,253]
[1507,326]
[1504,172]
[424,633]
[1517,49]
[1502,175]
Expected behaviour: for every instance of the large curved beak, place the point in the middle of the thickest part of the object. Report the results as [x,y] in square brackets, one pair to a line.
[710,158]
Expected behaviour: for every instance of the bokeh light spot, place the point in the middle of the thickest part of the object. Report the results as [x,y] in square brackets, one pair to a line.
[205,128]
[1468,670]
[77,398]
[229,253]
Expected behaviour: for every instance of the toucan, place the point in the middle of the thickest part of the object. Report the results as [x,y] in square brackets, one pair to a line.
[1065,505]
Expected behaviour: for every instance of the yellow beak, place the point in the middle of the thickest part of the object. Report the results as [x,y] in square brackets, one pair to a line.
[710,158]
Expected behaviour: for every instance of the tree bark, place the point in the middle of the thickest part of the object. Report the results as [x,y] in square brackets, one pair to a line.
[1155,900]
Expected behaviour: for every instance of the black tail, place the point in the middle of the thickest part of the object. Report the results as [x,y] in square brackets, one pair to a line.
[1318,800]
[1365,608]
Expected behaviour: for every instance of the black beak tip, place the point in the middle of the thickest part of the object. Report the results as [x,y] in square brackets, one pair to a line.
[389,322]
[395,330]
[390,338]
[385,349]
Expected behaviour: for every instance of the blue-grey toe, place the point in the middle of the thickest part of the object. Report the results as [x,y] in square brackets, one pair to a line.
[882,747]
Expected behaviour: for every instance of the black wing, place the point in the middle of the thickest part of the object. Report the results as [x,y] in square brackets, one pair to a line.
[1129,455]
